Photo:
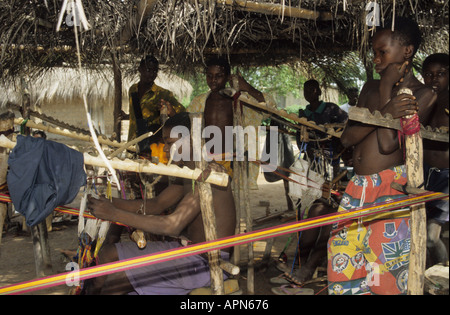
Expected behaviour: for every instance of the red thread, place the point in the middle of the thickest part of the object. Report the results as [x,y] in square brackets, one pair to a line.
[410,125]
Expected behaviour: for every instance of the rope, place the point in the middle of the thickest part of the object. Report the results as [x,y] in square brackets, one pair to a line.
[218,244]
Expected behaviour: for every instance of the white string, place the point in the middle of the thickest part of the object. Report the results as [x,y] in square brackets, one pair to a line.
[90,125]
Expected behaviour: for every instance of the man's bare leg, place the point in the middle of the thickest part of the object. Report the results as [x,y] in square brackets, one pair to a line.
[114,284]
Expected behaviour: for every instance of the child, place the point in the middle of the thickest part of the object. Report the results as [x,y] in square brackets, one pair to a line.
[435,155]
[372,255]
[218,110]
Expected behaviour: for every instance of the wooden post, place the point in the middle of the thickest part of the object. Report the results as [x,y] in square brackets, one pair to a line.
[117,96]
[241,177]
[208,215]
[418,227]
[39,234]
[6,128]
[249,226]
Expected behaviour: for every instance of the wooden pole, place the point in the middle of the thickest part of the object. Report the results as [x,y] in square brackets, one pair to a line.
[275,9]
[117,96]
[243,194]
[418,227]
[142,166]
[39,234]
[247,101]
[208,216]
[71,134]
[249,227]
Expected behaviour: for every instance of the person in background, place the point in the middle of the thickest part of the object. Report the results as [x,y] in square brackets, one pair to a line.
[146,101]
[353,94]
[435,157]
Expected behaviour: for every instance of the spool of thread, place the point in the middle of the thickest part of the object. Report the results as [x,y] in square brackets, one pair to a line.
[138,237]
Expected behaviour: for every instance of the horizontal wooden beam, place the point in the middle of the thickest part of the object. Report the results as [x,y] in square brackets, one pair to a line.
[143,166]
[273,9]
[363,115]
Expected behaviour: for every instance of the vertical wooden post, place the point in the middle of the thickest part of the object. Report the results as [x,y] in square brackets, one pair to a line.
[39,233]
[208,214]
[249,228]
[6,128]
[241,177]
[236,196]
[418,226]
[117,96]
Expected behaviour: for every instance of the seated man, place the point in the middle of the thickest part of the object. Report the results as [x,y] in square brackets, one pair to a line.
[178,276]
[313,243]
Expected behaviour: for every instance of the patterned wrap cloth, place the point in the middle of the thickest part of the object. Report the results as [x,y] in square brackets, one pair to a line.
[370,256]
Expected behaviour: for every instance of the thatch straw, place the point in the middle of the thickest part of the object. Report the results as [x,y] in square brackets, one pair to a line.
[183,33]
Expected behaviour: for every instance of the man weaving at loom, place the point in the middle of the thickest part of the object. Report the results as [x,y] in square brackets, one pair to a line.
[179,276]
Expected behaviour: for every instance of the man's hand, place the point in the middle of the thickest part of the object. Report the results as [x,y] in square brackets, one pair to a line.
[101,208]
[170,110]
[394,73]
[401,105]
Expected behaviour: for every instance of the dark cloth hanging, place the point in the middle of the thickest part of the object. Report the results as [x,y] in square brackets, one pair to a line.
[43,175]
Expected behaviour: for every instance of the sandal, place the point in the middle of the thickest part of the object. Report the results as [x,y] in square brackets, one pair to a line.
[292,290]
[281,279]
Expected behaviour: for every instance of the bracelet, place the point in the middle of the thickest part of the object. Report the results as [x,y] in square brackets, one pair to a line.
[140,210]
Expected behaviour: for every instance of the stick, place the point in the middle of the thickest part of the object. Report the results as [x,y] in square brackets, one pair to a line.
[209,222]
[242,178]
[275,9]
[414,165]
[363,115]
[70,134]
[219,179]
[247,101]
[229,267]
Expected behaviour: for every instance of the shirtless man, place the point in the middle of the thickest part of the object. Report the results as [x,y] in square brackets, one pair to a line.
[218,108]
[435,157]
[178,276]
[372,255]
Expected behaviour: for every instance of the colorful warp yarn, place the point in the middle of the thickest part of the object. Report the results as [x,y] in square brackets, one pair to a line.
[90,241]
[218,244]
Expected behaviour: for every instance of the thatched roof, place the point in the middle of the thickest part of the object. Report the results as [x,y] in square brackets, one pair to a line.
[181,33]
[64,84]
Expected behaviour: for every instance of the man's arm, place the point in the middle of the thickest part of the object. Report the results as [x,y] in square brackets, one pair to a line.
[354,131]
[167,198]
[247,87]
[172,224]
